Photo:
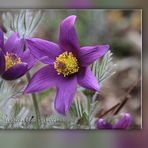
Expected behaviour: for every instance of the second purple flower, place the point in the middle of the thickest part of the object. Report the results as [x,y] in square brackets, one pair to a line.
[14,60]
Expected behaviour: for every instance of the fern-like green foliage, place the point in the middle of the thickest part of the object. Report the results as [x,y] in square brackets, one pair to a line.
[104,68]
[11,113]
[24,22]
[8,90]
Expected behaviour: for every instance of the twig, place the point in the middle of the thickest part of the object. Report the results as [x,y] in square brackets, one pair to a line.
[120,105]
[126,97]
[111,109]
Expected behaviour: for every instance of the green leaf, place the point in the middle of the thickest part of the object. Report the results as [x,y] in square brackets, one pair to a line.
[24,22]
[103,68]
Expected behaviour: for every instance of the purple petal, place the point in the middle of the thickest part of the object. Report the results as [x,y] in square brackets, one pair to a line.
[42,48]
[14,44]
[47,60]
[88,54]
[42,80]
[10,45]
[124,122]
[1,39]
[65,93]
[20,46]
[15,72]
[68,37]
[2,62]
[102,124]
[87,79]
[28,58]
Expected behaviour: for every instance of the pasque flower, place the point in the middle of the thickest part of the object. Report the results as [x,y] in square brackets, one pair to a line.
[121,122]
[67,65]
[14,61]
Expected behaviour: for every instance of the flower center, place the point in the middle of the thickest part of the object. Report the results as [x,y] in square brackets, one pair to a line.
[11,60]
[66,64]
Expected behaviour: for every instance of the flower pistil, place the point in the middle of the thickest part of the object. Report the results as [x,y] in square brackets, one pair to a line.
[66,64]
[11,60]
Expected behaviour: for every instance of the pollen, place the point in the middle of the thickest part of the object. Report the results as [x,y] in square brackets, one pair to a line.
[11,60]
[66,64]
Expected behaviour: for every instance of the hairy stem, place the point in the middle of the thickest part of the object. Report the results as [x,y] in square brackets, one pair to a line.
[35,103]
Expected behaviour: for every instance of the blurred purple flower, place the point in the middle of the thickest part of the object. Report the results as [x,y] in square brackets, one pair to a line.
[80,4]
[68,64]
[14,61]
[122,122]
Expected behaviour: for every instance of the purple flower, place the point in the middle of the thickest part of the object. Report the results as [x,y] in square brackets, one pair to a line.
[14,61]
[68,65]
[80,4]
[103,124]
[122,122]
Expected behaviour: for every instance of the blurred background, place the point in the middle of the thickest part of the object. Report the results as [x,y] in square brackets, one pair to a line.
[121,29]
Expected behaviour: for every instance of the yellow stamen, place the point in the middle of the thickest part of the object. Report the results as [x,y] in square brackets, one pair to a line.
[66,64]
[11,60]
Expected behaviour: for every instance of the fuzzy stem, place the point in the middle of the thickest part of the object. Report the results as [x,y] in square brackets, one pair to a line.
[35,103]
